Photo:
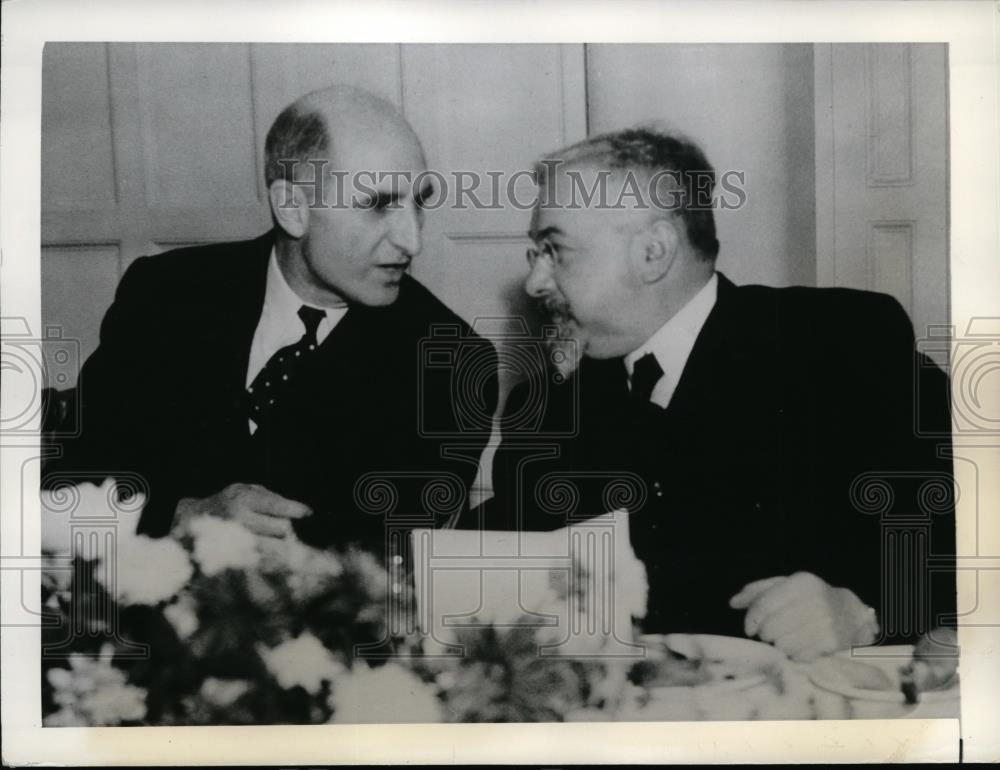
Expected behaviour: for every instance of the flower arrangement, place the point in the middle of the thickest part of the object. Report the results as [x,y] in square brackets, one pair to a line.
[213,626]
[218,626]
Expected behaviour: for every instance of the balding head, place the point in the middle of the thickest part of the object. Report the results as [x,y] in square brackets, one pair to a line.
[348,222]
[335,125]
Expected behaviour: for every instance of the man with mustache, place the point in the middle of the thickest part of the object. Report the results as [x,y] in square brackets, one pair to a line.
[275,381]
[747,419]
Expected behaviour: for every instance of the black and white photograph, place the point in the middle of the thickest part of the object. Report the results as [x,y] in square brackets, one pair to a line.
[437,383]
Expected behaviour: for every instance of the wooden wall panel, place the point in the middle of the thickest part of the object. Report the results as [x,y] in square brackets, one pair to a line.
[196,108]
[890,122]
[884,198]
[890,254]
[78,286]
[500,269]
[502,109]
[502,103]
[178,131]
[750,109]
[282,72]
[78,168]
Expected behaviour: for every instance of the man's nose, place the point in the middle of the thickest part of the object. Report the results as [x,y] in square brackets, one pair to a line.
[539,282]
[405,233]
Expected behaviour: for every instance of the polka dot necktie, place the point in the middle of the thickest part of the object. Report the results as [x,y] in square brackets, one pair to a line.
[273,381]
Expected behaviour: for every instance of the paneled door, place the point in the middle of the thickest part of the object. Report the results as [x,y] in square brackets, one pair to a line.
[146,147]
[149,146]
[882,173]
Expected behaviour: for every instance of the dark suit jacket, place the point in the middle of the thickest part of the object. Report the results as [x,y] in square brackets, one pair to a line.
[789,445]
[359,440]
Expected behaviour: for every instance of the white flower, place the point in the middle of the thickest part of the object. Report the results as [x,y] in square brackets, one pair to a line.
[65,717]
[220,544]
[183,616]
[114,705]
[390,694]
[149,570]
[306,560]
[609,686]
[303,661]
[223,692]
[83,502]
[55,523]
[92,692]
[629,705]
[440,643]
[372,574]
[309,571]
[57,573]
[60,678]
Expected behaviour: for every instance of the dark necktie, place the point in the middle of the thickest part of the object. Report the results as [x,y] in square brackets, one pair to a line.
[645,374]
[645,423]
[272,383]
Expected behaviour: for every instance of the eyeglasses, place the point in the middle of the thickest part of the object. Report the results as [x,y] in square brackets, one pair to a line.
[547,251]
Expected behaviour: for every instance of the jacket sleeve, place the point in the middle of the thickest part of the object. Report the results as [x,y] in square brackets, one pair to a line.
[902,506]
[534,447]
[110,394]
[456,405]
[498,512]
[480,399]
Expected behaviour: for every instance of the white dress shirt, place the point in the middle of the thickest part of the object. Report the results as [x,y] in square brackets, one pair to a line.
[672,343]
[280,325]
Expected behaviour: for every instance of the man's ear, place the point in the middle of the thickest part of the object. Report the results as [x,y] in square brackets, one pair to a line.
[656,250]
[289,207]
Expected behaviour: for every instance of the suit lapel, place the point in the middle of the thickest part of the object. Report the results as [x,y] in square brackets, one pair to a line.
[247,288]
[715,348]
[604,382]
[228,326]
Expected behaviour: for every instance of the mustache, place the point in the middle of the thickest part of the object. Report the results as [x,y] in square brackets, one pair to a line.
[554,307]
[566,349]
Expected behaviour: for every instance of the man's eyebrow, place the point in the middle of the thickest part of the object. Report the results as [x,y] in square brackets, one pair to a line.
[381,199]
[425,192]
[541,235]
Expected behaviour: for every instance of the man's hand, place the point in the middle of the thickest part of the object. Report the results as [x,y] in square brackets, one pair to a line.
[803,616]
[257,508]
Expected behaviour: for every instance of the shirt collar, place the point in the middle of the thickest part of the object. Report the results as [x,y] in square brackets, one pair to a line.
[279,323]
[281,299]
[672,343]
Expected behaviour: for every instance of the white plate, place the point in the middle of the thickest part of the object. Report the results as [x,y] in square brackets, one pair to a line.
[732,648]
[742,663]
[888,659]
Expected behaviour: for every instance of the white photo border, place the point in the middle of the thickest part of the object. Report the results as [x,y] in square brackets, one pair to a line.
[971,30]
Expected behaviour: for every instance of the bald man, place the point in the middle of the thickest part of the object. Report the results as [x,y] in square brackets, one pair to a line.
[280,381]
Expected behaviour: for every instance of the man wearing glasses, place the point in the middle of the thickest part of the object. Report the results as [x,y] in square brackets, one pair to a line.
[753,416]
